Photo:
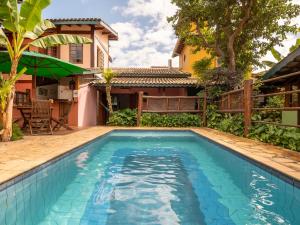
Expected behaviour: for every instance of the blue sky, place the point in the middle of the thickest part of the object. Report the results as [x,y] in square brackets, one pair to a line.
[145,37]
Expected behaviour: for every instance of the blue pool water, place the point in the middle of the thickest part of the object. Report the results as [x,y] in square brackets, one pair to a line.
[144,177]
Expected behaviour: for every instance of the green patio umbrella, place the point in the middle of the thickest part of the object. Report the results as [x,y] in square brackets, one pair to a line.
[41,65]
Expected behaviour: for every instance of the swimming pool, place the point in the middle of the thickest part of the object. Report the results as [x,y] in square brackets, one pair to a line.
[150,177]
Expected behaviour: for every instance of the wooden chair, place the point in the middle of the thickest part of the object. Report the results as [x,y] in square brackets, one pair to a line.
[40,120]
[63,120]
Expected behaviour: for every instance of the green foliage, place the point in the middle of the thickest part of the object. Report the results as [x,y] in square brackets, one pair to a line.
[247,28]
[271,116]
[233,124]
[108,75]
[202,66]
[17,133]
[125,117]
[276,135]
[171,120]
[285,137]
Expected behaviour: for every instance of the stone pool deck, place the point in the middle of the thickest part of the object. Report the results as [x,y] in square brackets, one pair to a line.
[18,157]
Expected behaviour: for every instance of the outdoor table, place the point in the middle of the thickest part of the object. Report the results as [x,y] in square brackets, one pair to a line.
[25,111]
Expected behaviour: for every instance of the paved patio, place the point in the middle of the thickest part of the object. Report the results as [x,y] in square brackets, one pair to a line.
[21,156]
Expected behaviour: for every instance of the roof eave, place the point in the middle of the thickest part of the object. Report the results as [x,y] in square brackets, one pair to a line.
[113,35]
[275,69]
[178,48]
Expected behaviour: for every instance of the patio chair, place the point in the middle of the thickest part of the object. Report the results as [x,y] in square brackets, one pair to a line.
[63,120]
[40,120]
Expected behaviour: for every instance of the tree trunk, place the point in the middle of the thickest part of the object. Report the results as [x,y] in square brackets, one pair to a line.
[231,55]
[108,98]
[7,119]
[7,114]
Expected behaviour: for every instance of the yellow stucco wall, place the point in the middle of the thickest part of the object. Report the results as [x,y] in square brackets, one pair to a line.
[187,59]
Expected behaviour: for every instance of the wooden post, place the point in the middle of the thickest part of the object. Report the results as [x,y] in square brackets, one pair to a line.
[229,101]
[140,108]
[298,103]
[288,97]
[204,117]
[247,106]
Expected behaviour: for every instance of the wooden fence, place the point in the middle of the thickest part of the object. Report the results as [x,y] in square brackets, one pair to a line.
[246,101]
[171,104]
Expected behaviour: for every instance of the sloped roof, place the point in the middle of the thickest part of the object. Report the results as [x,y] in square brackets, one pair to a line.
[98,22]
[178,48]
[150,72]
[150,77]
[289,64]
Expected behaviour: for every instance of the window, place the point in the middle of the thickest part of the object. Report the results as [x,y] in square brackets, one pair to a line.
[52,51]
[76,53]
[100,59]
[184,58]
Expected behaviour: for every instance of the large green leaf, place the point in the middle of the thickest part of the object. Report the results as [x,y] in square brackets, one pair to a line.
[9,14]
[276,54]
[3,38]
[269,63]
[108,75]
[39,29]
[60,39]
[31,13]
[295,46]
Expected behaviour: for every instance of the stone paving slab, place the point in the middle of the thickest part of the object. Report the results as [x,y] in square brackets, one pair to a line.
[33,151]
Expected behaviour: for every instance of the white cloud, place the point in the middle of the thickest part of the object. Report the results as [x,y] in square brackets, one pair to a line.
[146,39]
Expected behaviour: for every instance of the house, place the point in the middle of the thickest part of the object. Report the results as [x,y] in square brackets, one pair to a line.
[154,81]
[285,76]
[87,103]
[83,98]
[188,56]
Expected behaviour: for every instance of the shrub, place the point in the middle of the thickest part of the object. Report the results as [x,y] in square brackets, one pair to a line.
[233,124]
[17,132]
[285,137]
[171,120]
[124,117]
[272,134]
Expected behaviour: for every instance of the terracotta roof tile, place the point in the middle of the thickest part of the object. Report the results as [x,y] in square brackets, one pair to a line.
[150,77]
[150,72]
[150,82]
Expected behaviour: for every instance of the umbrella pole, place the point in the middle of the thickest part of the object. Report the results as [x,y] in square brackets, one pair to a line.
[34,82]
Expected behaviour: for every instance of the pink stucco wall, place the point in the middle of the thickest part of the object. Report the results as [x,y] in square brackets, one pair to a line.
[87,106]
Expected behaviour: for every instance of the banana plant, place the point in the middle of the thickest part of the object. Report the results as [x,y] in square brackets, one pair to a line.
[278,56]
[25,26]
[108,75]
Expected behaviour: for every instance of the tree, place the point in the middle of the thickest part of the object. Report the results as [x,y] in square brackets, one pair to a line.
[108,75]
[27,28]
[238,32]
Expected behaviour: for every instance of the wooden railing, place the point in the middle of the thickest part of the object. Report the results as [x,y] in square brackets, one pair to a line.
[232,101]
[171,104]
[244,101]
[22,98]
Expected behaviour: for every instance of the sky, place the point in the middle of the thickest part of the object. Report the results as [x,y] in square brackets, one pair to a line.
[145,37]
